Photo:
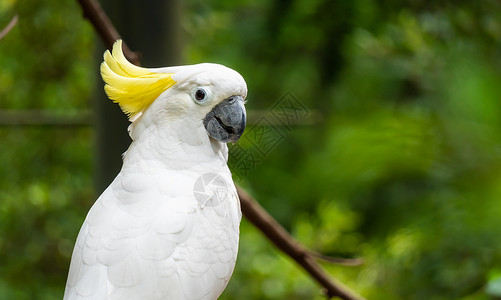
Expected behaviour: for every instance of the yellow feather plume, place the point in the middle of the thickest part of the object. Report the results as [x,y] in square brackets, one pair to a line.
[132,87]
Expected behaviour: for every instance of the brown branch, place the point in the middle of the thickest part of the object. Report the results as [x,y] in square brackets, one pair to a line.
[93,11]
[282,240]
[250,208]
[9,27]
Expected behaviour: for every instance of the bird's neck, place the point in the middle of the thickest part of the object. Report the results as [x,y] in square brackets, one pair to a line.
[172,149]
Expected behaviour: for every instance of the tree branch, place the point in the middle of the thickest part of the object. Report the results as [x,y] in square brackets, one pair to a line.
[93,11]
[250,208]
[45,118]
[283,241]
[9,27]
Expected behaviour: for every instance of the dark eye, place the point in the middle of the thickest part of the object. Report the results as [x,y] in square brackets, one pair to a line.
[200,94]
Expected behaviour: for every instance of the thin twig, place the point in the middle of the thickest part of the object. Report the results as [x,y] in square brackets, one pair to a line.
[250,208]
[9,27]
[338,260]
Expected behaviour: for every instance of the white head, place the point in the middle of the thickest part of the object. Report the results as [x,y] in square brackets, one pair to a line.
[194,99]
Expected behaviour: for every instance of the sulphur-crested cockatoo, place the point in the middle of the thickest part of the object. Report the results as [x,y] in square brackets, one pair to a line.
[167,227]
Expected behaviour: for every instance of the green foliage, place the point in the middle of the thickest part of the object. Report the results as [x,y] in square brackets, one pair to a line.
[402,168]
[408,143]
[45,172]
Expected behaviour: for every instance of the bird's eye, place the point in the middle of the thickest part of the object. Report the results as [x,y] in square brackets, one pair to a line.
[201,95]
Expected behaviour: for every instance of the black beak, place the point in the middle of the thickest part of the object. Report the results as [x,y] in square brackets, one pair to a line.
[226,121]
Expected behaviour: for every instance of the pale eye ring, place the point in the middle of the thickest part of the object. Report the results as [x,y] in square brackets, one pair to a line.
[201,95]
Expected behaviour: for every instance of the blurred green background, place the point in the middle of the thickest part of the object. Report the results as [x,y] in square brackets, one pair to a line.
[401,166]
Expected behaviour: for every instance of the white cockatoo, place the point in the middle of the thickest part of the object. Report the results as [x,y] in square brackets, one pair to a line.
[167,227]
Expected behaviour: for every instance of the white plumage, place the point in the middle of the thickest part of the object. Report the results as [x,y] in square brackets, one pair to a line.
[148,236]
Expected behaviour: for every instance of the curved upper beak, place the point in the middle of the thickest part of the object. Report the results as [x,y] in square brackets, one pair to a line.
[226,121]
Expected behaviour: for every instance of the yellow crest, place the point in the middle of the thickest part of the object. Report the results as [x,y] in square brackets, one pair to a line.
[132,87]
